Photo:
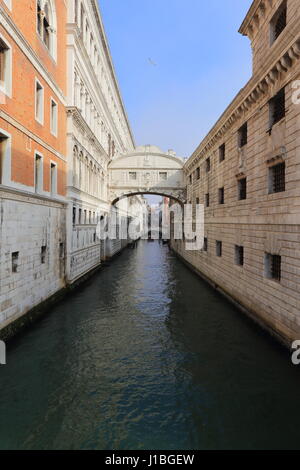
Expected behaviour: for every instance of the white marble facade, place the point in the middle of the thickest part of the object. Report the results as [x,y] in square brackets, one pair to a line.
[97,132]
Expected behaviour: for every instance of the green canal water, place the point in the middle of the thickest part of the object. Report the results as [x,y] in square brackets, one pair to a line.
[147,356]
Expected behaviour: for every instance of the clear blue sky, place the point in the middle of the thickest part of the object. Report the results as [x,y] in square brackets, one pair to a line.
[198,62]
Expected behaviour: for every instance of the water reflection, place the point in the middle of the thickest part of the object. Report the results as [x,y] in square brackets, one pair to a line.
[147,356]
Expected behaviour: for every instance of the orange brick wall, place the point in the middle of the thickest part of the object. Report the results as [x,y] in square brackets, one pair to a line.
[21,107]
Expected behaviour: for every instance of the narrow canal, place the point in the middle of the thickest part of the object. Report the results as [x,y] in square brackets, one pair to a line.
[147,356]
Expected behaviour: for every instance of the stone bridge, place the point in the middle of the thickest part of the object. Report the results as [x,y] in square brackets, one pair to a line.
[147,170]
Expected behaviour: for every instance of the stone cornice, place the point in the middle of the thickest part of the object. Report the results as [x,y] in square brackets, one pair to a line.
[256,88]
[98,19]
[256,14]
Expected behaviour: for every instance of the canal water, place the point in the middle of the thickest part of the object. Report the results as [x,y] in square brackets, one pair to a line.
[147,356]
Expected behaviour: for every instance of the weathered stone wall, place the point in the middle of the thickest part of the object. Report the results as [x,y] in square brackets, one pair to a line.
[264,223]
[27,224]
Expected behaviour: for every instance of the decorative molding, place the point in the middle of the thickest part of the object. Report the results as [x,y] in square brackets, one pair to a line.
[245,100]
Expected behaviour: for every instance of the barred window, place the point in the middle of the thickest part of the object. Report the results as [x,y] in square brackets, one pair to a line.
[198,173]
[273,266]
[205,244]
[239,255]
[243,135]
[278,22]
[222,153]
[132,175]
[277,178]
[277,107]
[15,261]
[218,248]
[221,196]
[43,254]
[208,165]
[207,200]
[242,189]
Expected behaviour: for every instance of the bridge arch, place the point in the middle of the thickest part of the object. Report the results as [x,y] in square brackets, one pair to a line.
[147,170]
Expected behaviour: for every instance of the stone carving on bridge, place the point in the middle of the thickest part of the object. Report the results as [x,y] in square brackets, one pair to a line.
[164,175]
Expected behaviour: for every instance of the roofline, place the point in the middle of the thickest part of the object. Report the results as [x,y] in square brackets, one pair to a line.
[155,154]
[96,6]
[251,12]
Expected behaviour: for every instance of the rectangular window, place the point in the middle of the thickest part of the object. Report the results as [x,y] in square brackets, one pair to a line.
[53,178]
[277,107]
[273,266]
[207,200]
[198,173]
[53,117]
[84,216]
[74,215]
[43,254]
[208,165]
[3,149]
[243,135]
[15,261]
[218,248]
[5,67]
[222,153]
[197,200]
[190,179]
[242,189]
[277,178]
[132,175]
[163,175]
[61,250]
[39,102]
[239,255]
[205,244]
[80,216]
[278,22]
[38,173]
[221,195]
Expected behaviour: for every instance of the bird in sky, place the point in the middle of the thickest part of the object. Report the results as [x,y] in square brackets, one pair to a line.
[152,62]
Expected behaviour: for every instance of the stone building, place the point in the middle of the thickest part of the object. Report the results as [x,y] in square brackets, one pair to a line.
[97,132]
[246,172]
[32,153]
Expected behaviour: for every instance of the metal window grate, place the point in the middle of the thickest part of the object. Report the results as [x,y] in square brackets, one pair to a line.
[207,200]
[43,254]
[242,189]
[208,165]
[276,267]
[219,248]
[278,178]
[239,255]
[280,23]
[278,106]
[221,195]
[222,153]
[243,135]
[14,261]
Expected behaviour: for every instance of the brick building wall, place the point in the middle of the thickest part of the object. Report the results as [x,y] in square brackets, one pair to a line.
[32,153]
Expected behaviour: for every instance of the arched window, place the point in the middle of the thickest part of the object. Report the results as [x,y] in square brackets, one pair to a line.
[46,24]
